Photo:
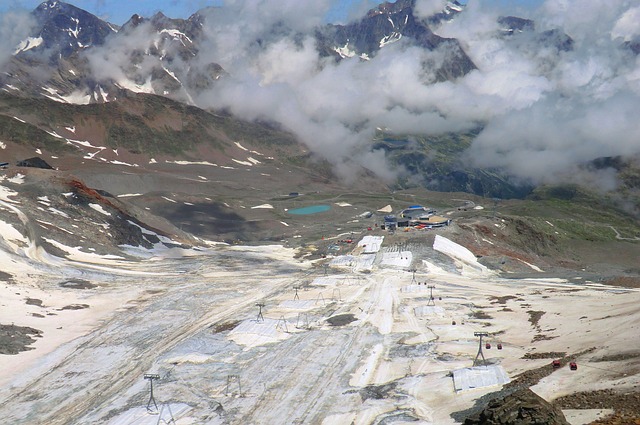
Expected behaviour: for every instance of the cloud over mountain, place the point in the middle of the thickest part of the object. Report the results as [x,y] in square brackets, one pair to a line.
[550,92]
[547,108]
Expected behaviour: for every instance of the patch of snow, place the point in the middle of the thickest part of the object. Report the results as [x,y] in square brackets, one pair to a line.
[77,98]
[169,199]
[345,51]
[12,237]
[115,162]
[58,212]
[457,252]
[370,243]
[76,253]
[534,267]
[251,333]
[141,416]
[263,206]
[176,35]
[137,88]
[400,260]
[28,44]
[285,224]
[242,162]
[240,146]
[17,179]
[172,74]
[471,378]
[47,224]
[99,208]
[391,38]
[189,163]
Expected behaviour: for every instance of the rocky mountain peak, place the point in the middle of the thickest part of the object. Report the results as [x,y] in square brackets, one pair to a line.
[65,29]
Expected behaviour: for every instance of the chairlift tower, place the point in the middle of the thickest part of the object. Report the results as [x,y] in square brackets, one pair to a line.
[151,377]
[484,361]
[333,295]
[303,321]
[296,296]
[432,300]
[282,324]
[413,276]
[230,380]
[161,416]
[260,317]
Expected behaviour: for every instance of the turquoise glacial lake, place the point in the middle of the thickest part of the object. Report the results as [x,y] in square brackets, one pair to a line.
[313,209]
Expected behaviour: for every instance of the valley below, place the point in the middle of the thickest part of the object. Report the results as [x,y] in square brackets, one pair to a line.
[232,334]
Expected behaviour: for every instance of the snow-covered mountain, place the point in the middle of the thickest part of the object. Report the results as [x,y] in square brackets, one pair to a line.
[332,86]
[63,29]
[390,23]
[70,54]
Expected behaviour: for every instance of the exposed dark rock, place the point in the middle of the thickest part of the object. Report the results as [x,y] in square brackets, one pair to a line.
[74,307]
[523,407]
[512,24]
[65,29]
[35,162]
[377,392]
[14,339]
[341,319]
[77,284]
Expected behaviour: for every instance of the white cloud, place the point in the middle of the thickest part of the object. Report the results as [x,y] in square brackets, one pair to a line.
[545,110]
[15,26]
[626,27]
[427,8]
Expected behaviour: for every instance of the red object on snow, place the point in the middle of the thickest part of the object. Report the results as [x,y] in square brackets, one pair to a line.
[573,366]
[488,346]
[556,364]
[499,346]
[369,228]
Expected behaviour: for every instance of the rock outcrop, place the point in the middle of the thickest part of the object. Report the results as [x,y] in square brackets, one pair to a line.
[523,407]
